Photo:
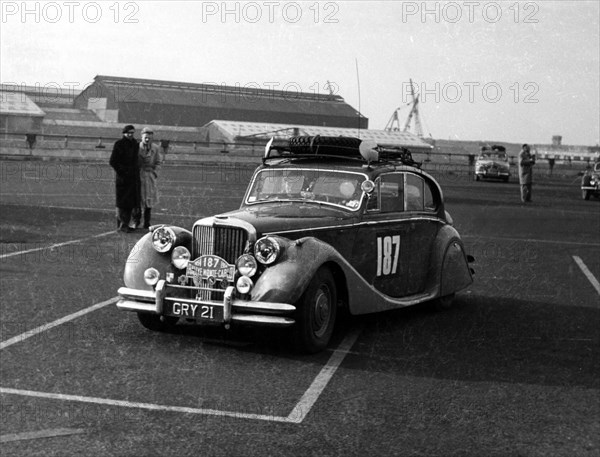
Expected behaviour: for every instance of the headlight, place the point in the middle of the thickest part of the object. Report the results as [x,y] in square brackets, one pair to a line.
[163,239]
[266,250]
[246,265]
[244,284]
[180,257]
[151,276]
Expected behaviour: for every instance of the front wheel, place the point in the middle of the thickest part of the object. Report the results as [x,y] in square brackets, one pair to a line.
[316,312]
[157,323]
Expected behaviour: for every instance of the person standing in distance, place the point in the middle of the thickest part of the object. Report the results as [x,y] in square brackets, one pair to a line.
[150,161]
[526,163]
[124,160]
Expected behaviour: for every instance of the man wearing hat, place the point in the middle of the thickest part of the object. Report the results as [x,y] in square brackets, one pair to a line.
[150,161]
[124,160]
[526,163]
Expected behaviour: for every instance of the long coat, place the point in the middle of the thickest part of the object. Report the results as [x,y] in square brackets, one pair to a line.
[150,161]
[526,163]
[124,160]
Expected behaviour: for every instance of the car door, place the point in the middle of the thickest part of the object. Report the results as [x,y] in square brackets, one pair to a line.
[423,228]
[393,246]
[382,239]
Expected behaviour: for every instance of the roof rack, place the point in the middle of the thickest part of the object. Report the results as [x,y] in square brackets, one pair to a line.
[336,147]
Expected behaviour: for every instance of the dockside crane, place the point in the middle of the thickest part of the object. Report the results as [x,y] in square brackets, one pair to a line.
[394,122]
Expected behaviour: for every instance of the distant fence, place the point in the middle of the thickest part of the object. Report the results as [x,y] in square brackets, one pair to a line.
[78,147]
[81,142]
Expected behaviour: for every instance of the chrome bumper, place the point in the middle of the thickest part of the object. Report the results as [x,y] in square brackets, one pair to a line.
[235,310]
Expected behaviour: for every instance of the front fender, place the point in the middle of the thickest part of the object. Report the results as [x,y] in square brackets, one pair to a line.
[144,256]
[285,281]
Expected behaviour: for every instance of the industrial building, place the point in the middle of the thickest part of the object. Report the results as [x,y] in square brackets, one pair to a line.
[147,101]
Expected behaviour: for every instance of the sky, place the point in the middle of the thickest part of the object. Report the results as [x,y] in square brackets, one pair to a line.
[490,71]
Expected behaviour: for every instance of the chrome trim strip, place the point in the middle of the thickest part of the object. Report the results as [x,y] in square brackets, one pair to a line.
[147,296]
[160,295]
[364,223]
[263,306]
[227,300]
[131,305]
[274,321]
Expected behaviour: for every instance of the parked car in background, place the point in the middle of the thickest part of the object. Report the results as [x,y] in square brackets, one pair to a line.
[326,223]
[492,163]
[590,182]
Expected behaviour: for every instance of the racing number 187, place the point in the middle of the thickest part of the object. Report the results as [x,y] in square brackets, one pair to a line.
[388,251]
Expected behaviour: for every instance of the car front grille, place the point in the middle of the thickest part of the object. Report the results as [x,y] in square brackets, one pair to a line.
[226,242]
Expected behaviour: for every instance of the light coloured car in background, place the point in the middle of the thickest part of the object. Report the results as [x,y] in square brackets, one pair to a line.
[492,163]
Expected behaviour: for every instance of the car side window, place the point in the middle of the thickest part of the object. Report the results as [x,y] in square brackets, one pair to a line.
[414,193]
[428,198]
[391,192]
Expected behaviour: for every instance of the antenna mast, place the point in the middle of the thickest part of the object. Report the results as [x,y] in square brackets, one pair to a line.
[358,83]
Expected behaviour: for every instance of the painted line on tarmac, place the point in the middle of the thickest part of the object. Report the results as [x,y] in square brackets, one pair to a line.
[296,416]
[317,387]
[50,433]
[4,256]
[42,328]
[148,406]
[531,240]
[588,274]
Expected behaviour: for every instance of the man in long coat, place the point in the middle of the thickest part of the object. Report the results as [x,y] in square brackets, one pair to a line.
[526,163]
[124,160]
[150,161]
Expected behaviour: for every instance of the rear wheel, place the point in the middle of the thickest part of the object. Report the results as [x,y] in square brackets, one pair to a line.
[316,313]
[157,323]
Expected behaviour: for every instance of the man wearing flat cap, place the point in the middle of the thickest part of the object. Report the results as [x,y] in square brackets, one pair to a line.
[124,160]
[150,161]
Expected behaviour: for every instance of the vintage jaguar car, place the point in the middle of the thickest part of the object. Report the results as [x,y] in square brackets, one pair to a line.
[492,163]
[326,222]
[590,182]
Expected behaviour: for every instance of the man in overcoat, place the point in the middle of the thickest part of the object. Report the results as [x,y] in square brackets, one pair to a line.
[526,163]
[150,161]
[124,160]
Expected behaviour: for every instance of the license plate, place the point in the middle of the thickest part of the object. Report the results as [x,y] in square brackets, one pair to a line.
[190,310]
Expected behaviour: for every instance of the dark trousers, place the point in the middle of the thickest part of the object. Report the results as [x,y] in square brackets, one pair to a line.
[147,216]
[123,217]
[526,192]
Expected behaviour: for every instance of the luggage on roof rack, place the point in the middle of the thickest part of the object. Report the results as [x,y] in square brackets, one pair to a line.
[334,147]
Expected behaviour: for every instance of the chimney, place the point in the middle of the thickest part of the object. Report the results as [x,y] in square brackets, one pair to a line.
[556,140]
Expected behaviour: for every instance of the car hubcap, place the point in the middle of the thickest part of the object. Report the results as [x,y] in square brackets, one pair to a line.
[322,310]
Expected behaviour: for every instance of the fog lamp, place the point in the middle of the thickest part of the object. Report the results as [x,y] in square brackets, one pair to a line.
[246,265]
[244,284]
[180,257]
[151,276]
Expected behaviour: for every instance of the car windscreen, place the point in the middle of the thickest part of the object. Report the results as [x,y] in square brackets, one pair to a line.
[493,156]
[332,187]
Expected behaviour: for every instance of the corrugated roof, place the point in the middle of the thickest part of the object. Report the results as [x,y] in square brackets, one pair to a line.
[132,90]
[266,130]
[18,104]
